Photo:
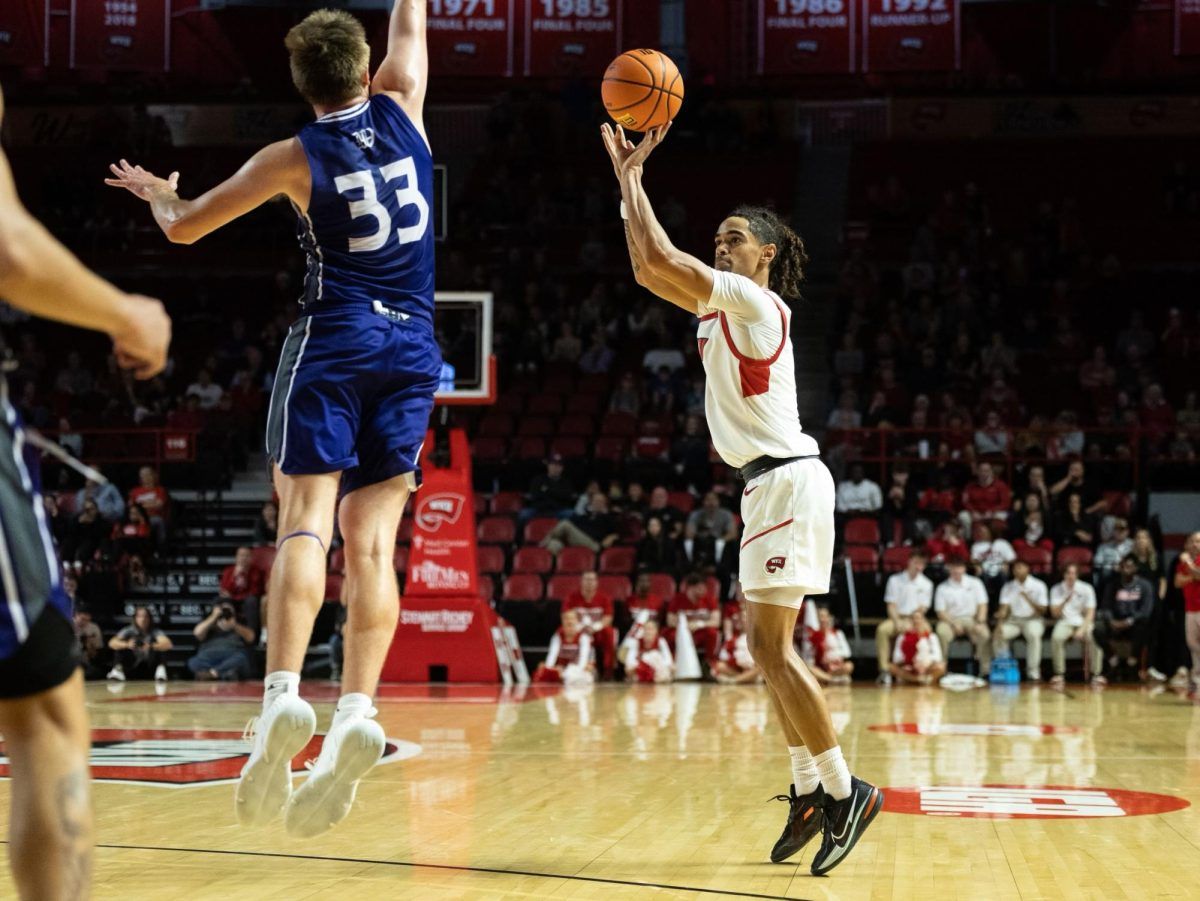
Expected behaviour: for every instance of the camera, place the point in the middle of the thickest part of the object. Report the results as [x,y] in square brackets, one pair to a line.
[226,612]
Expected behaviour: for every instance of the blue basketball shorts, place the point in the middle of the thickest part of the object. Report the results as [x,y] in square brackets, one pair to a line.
[353,394]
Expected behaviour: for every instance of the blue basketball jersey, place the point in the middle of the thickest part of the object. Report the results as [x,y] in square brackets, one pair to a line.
[368,233]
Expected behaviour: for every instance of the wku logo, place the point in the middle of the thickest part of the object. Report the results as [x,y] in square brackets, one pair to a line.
[440,508]
[364,138]
[775,564]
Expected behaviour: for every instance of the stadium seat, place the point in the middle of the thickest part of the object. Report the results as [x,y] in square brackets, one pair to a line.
[577,424]
[523,587]
[512,404]
[561,586]
[538,528]
[861,530]
[532,559]
[506,502]
[617,560]
[490,558]
[497,530]
[863,558]
[489,450]
[535,427]
[610,448]
[570,447]
[663,585]
[651,447]
[337,560]
[1118,503]
[487,588]
[529,448]
[619,425]
[495,425]
[616,587]
[593,384]
[333,587]
[896,558]
[1040,560]
[263,557]
[683,501]
[400,558]
[575,560]
[587,404]
[1080,556]
[632,529]
[544,405]
[480,503]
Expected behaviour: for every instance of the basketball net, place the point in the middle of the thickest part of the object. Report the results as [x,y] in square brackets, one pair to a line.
[687,661]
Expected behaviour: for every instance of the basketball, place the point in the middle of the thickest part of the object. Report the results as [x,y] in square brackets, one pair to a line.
[642,89]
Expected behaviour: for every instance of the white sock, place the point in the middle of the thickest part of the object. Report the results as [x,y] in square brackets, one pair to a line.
[834,773]
[349,705]
[804,770]
[279,683]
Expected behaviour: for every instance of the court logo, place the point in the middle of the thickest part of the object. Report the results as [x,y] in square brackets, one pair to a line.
[364,138]
[1026,802]
[177,758]
[438,509]
[775,564]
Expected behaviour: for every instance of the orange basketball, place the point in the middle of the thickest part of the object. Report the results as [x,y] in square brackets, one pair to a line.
[642,89]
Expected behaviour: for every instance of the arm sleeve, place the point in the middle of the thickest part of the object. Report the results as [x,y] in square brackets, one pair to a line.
[585,651]
[891,594]
[980,593]
[552,652]
[739,297]
[939,600]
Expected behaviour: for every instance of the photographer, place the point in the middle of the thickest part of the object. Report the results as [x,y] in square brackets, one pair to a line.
[224,643]
[139,648]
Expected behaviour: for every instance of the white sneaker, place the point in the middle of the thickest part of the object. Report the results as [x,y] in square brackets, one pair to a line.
[117,673]
[266,781]
[884,679]
[160,673]
[324,799]
[1156,675]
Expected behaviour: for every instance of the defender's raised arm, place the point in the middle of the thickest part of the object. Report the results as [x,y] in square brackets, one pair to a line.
[405,70]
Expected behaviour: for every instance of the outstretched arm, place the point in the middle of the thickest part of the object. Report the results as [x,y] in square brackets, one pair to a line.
[279,168]
[404,72]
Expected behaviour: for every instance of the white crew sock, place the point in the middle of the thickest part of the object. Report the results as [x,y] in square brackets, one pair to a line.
[279,683]
[834,773]
[350,705]
[804,770]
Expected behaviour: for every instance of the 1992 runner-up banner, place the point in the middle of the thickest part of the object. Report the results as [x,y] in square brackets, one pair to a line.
[121,34]
[798,37]
[910,35]
[471,37]
[570,37]
[22,32]
[1187,27]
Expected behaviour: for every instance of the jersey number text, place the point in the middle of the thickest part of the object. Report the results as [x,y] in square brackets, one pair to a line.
[369,205]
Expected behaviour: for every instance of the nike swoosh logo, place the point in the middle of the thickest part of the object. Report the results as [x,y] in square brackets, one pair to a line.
[854,812]
[748,491]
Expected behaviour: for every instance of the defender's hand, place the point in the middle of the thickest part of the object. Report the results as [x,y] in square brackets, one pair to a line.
[142,338]
[141,183]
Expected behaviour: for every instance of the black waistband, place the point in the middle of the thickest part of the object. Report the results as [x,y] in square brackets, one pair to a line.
[755,468]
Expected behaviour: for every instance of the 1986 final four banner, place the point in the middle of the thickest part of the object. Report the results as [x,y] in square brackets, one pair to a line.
[565,37]
[910,35]
[806,37]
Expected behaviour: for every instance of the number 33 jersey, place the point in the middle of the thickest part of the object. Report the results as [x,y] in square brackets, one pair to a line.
[368,231]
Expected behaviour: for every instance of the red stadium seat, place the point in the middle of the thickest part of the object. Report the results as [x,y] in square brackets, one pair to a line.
[683,501]
[532,559]
[490,558]
[611,448]
[512,404]
[480,503]
[495,425]
[663,585]
[616,587]
[593,384]
[561,586]
[506,502]
[896,558]
[544,405]
[497,530]
[529,448]
[489,450]
[619,425]
[651,447]
[587,404]
[333,587]
[487,588]
[617,560]
[535,427]
[861,530]
[1040,560]
[400,558]
[571,447]
[523,587]
[863,558]
[337,560]
[1080,556]
[1118,503]
[575,560]
[576,424]
[537,529]
[263,557]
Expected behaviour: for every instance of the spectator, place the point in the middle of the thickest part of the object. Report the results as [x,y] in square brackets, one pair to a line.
[660,506]
[594,530]
[91,642]
[690,453]
[948,546]
[988,497]
[711,520]
[992,437]
[224,642]
[69,439]
[670,357]
[1033,534]
[937,504]
[701,615]
[205,390]
[1167,627]
[1110,553]
[906,593]
[831,663]
[660,393]
[646,656]
[1187,580]
[597,359]
[266,527]
[74,379]
[734,664]
[644,605]
[858,494]
[107,497]
[899,506]
[1067,440]
[1036,484]
[242,586]
[1073,605]
[1125,614]
[626,398]
[569,658]
[133,541]
[154,500]
[918,659]
[961,604]
[845,415]
[1076,528]
[992,557]
[550,494]
[87,537]
[1024,604]
[567,346]
[1076,482]
[596,614]
[138,649]
[656,553]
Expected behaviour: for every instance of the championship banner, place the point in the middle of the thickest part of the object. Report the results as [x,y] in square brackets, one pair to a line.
[1187,27]
[23,32]
[571,37]
[911,35]
[802,37]
[471,37]
[121,34]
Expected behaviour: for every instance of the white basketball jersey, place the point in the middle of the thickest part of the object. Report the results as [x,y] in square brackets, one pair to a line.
[750,395]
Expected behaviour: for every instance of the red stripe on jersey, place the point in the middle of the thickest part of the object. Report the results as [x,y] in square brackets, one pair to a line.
[755,372]
[708,317]
[702,342]
[786,522]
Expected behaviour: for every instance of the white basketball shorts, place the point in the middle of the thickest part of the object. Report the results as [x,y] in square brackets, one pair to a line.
[788,538]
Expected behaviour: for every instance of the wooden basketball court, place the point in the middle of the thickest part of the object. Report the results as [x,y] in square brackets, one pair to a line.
[661,792]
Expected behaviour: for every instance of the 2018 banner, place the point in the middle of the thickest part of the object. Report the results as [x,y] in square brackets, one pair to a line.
[567,37]
[121,34]
[471,37]
[23,32]
[797,37]
[1187,27]
[911,35]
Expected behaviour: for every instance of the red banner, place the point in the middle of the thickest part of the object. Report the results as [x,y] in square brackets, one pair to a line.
[1187,27]
[571,37]
[442,558]
[121,34]
[801,37]
[23,32]
[471,37]
[910,35]
[450,633]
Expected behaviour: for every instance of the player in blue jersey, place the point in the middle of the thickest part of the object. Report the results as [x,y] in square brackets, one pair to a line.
[355,383]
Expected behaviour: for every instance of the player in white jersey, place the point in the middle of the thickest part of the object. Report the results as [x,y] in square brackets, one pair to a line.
[787,505]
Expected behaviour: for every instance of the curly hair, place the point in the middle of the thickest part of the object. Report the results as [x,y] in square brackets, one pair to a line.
[787,268]
[328,53]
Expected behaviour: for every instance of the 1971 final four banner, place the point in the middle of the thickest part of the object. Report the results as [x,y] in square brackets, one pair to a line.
[471,37]
[802,37]
[910,35]
[121,34]
[567,37]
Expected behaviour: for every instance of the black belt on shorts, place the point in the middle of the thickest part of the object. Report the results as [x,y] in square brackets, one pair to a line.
[755,468]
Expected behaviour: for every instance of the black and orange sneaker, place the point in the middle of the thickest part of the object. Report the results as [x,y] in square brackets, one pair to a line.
[845,821]
[805,815]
